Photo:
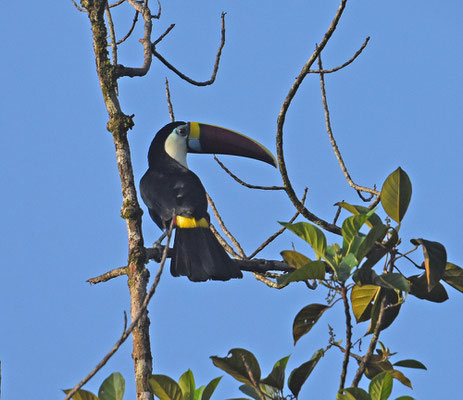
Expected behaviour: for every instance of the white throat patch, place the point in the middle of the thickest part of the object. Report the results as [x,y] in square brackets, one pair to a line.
[176,147]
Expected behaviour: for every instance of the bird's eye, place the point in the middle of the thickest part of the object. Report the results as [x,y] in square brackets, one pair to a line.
[182,131]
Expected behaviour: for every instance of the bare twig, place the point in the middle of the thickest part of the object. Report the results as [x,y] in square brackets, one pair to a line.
[169,103]
[126,333]
[188,79]
[333,141]
[280,231]
[134,22]
[223,242]
[345,362]
[121,70]
[371,348]
[338,213]
[117,3]
[163,35]
[224,228]
[78,7]
[329,71]
[281,121]
[112,34]
[244,183]
[114,273]
[158,15]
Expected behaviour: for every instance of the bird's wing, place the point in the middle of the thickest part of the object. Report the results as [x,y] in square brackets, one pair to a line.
[165,194]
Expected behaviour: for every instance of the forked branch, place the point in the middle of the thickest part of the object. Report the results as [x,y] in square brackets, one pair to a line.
[185,77]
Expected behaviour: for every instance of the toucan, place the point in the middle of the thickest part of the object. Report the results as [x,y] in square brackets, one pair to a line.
[170,190]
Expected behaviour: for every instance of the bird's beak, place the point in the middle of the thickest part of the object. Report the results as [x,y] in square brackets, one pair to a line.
[211,139]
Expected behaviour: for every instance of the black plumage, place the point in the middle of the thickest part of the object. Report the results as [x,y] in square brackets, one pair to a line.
[169,188]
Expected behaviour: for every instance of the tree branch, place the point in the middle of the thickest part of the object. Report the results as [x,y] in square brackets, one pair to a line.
[280,231]
[225,229]
[244,183]
[185,77]
[333,141]
[114,273]
[146,41]
[281,121]
[134,22]
[345,362]
[329,71]
[371,348]
[169,103]
[126,332]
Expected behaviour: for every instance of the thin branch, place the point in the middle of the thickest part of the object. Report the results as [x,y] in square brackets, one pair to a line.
[345,362]
[223,242]
[112,34]
[186,78]
[280,231]
[134,22]
[244,183]
[281,121]
[163,35]
[126,332]
[169,103]
[333,141]
[338,213]
[262,266]
[121,70]
[268,282]
[78,7]
[224,228]
[329,71]
[158,15]
[114,273]
[371,348]
[117,3]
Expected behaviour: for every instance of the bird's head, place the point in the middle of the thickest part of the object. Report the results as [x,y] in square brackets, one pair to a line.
[179,138]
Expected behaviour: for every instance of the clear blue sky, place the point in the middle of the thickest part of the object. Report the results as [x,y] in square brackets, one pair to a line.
[399,104]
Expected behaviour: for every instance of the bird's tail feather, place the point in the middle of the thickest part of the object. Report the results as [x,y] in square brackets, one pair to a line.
[199,256]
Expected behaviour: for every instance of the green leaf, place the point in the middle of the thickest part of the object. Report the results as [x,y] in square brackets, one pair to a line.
[356,210]
[294,258]
[276,378]
[390,313]
[306,319]
[361,298]
[393,281]
[344,269]
[311,234]
[381,386]
[165,387]
[198,395]
[401,378]
[396,194]
[187,385]
[112,388]
[299,375]
[250,391]
[419,288]
[312,270]
[435,260]
[376,235]
[405,398]
[210,388]
[410,364]
[353,393]
[351,227]
[82,395]
[241,364]
[379,252]
[453,275]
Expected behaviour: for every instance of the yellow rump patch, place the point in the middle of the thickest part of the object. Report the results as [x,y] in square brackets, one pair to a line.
[194,130]
[185,222]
